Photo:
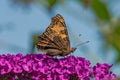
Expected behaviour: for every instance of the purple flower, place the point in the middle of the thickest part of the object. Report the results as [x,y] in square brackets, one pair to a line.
[42,67]
[5,66]
[17,69]
[102,72]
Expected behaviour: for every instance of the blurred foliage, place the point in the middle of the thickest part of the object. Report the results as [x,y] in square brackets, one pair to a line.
[113,38]
[51,4]
[34,41]
[98,7]
[100,10]
[22,2]
[111,35]
[48,4]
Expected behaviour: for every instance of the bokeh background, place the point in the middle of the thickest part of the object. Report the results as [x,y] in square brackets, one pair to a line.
[97,21]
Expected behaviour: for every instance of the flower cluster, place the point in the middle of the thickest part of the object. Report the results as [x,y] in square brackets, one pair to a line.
[43,67]
[102,72]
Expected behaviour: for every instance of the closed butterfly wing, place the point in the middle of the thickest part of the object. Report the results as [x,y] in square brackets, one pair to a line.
[55,40]
[46,45]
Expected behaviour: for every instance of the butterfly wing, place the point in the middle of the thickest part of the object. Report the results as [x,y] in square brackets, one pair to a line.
[55,37]
[47,46]
[45,43]
[57,32]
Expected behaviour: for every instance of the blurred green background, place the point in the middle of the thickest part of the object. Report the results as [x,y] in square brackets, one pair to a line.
[98,21]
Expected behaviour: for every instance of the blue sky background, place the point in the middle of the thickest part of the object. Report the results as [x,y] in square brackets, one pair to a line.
[17,26]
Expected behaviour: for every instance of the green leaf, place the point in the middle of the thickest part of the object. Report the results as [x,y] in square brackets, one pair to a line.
[117,41]
[52,2]
[101,10]
[114,39]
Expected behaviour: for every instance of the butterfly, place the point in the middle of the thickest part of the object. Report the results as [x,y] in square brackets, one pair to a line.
[55,40]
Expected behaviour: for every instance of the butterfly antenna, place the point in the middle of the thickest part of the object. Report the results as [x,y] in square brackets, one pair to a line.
[82,43]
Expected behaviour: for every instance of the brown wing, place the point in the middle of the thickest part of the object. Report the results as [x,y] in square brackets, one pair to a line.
[44,43]
[55,36]
[58,31]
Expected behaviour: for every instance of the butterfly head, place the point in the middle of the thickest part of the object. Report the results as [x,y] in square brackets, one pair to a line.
[72,49]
